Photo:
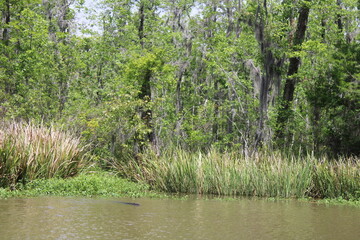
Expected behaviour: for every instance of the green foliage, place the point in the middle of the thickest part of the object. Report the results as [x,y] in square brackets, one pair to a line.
[91,184]
[331,91]
[26,60]
[86,185]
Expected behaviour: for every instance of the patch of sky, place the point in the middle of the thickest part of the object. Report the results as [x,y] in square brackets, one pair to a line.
[86,15]
[88,12]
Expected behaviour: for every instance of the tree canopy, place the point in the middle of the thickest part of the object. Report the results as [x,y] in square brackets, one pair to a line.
[245,75]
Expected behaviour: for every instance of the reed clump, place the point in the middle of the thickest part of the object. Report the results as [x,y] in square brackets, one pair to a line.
[29,151]
[337,179]
[229,173]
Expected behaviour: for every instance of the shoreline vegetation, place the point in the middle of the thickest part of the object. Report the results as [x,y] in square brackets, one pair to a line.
[263,175]
[86,184]
[37,160]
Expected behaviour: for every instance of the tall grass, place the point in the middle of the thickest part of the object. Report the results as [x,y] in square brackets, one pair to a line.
[340,178]
[29,152]
[265,175]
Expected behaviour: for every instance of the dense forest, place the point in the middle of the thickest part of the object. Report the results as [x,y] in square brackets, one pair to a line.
[193,74]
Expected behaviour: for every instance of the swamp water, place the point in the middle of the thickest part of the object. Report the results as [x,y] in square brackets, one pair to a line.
[88,218]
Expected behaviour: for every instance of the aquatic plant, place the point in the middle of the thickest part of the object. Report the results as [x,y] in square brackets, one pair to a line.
[86,184]
[230,173]
[29,151]
[337,179]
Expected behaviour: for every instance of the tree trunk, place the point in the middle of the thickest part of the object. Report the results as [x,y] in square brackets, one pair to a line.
[294,63]
[145,91]
[6,20]
[6,16]
[266,79]
[141,23]
[179,103]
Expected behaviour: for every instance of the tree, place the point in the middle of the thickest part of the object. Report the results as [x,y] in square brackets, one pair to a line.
[294,63]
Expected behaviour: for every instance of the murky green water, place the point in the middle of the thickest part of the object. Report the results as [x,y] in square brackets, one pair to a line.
[77,218]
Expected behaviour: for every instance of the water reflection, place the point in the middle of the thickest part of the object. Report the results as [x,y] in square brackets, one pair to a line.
[76,218]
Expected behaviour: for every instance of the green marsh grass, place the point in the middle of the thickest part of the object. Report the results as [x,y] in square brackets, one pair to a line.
[337,179]
[263,175]
[29,152]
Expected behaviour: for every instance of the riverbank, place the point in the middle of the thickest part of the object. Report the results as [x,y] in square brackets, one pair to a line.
[36,160]
[107,185]
[89,184]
